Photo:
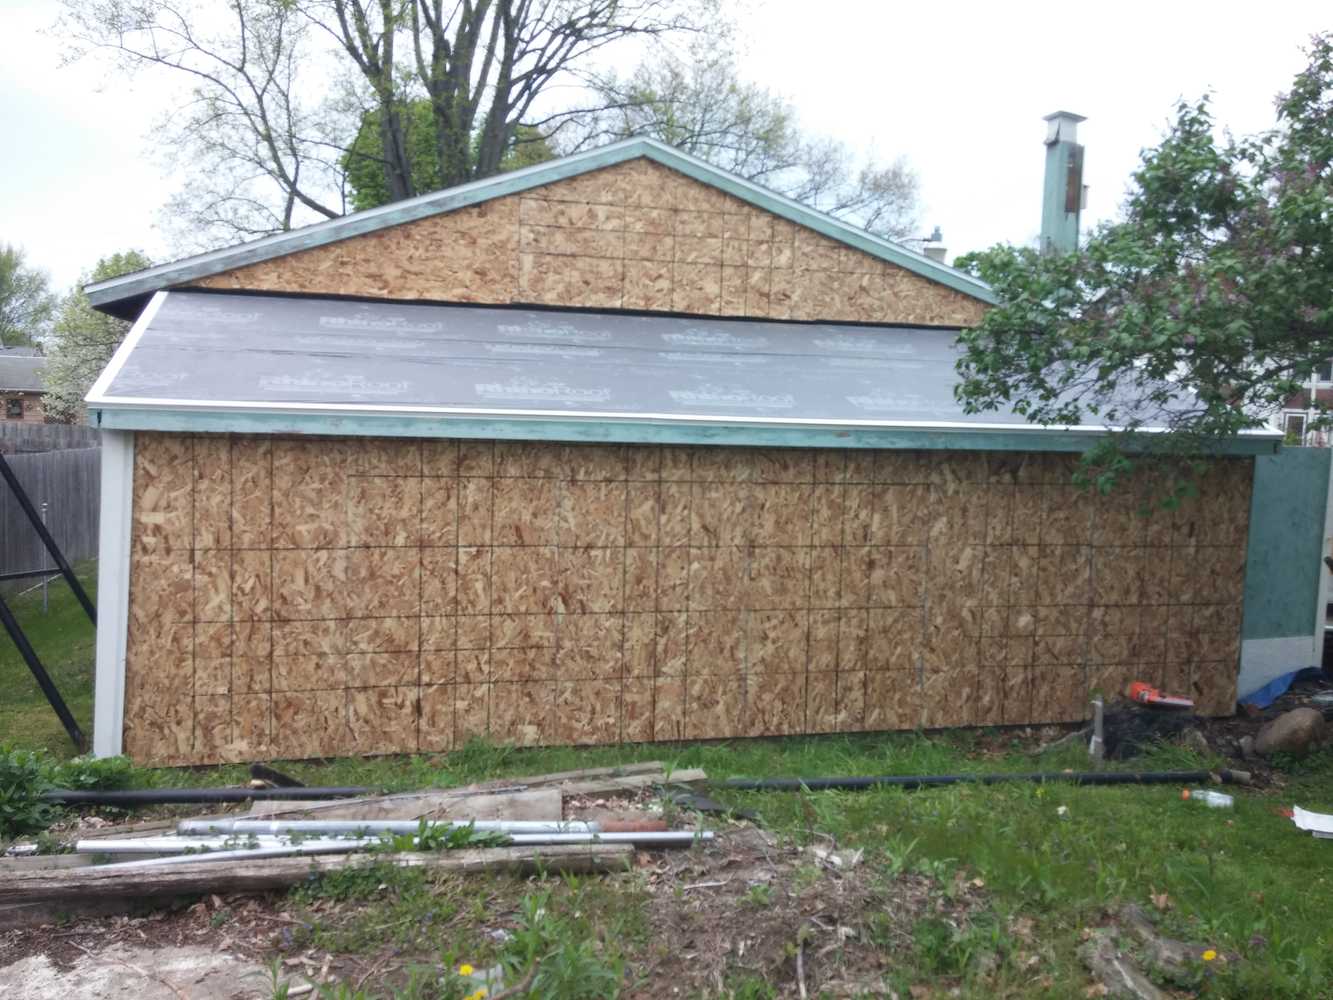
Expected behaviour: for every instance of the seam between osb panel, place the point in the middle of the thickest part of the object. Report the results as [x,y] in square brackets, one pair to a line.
[456,684]
[194,591]
[809,589]
[559,613]
[231,591]
[658,452]
[490,591]
[272,568]
[421,577]
[624,598]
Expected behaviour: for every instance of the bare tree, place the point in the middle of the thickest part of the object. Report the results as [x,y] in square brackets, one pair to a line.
[700,104]
[279,87]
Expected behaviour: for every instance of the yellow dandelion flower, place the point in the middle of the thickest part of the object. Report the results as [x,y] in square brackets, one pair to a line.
[1209,955]
[465,969]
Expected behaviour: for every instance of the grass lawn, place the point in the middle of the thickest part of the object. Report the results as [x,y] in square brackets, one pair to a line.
[1050,861]
[63,639]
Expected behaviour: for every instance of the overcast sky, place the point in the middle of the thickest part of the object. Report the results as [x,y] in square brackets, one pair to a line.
[959,88]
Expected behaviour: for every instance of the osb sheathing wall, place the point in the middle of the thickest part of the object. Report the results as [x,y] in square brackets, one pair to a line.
[633,236]
[302,597]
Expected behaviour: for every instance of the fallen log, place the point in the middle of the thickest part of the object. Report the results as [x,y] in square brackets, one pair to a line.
[280,873]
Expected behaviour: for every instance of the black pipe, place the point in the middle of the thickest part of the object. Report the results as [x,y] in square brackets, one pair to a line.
[44,681]
[28,573]
[917,781]
[21,496]
[161,796]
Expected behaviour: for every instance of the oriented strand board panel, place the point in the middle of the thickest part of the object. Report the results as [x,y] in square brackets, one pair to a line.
[632,236]
[318,596]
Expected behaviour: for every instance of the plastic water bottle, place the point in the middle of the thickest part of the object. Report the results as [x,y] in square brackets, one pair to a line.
[1213,800]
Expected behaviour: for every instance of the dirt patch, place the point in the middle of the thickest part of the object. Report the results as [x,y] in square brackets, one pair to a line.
[754,908]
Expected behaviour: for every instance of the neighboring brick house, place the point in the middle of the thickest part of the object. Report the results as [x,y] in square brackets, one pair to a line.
[21,384]
[1302,409]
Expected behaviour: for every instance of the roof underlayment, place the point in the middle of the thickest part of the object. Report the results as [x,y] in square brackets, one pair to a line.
[278,364]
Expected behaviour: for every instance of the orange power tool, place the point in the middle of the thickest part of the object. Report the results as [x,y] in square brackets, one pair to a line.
[1146,694]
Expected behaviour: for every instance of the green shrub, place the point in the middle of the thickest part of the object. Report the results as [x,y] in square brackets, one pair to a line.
[22,781]
[94,774]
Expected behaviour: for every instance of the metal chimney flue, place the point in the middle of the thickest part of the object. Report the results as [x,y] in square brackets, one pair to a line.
[1063,193]
[934,247]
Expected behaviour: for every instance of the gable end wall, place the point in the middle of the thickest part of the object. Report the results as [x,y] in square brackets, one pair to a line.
[636,235]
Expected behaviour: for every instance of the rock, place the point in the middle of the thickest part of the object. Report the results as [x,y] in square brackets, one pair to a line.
[1293,732]
[1114,970]
[1178,961]
[1247,747]
[1196,741]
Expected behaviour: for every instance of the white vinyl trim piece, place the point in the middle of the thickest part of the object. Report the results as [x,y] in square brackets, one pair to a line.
[1261,660]
[113,591]
[126,347]
[130,403]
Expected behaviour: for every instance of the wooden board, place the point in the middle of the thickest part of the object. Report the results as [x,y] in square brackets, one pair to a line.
[276,873]
[312,597]
[632,236]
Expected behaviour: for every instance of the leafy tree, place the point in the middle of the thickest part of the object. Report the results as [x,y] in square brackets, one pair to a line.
[1204,309]
[281,88]
[699,103]
[26,302]
[365,176]
[84,339]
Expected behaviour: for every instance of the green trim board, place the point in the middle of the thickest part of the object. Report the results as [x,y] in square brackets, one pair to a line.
[1283,562]
[123,296]
[619,432]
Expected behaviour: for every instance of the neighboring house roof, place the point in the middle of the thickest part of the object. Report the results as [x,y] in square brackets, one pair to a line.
[125,296]
[21,373]
[235,362]
[20,352]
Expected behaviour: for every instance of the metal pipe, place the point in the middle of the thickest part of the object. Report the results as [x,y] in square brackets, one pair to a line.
[160,796]
[912,782]
[186,845]
[204,845]
[343,827]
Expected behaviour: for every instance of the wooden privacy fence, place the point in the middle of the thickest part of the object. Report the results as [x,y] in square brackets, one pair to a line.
[68,482]
[20,437]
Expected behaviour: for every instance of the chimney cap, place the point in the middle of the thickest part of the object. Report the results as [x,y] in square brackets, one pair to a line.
[1062,126]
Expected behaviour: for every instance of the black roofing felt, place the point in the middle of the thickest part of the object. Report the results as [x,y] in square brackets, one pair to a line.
[202,348]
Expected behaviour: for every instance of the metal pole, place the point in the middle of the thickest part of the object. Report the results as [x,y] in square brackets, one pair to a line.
[68,573]
[43,678]
[366,827]
[46,580]
[198,845]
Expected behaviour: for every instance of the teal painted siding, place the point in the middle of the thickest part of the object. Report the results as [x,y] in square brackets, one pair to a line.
[1283,562]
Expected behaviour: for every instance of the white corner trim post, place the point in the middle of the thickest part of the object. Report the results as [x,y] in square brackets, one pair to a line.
[113,590]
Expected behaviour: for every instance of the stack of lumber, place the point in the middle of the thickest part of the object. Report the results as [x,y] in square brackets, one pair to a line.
[37,889]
